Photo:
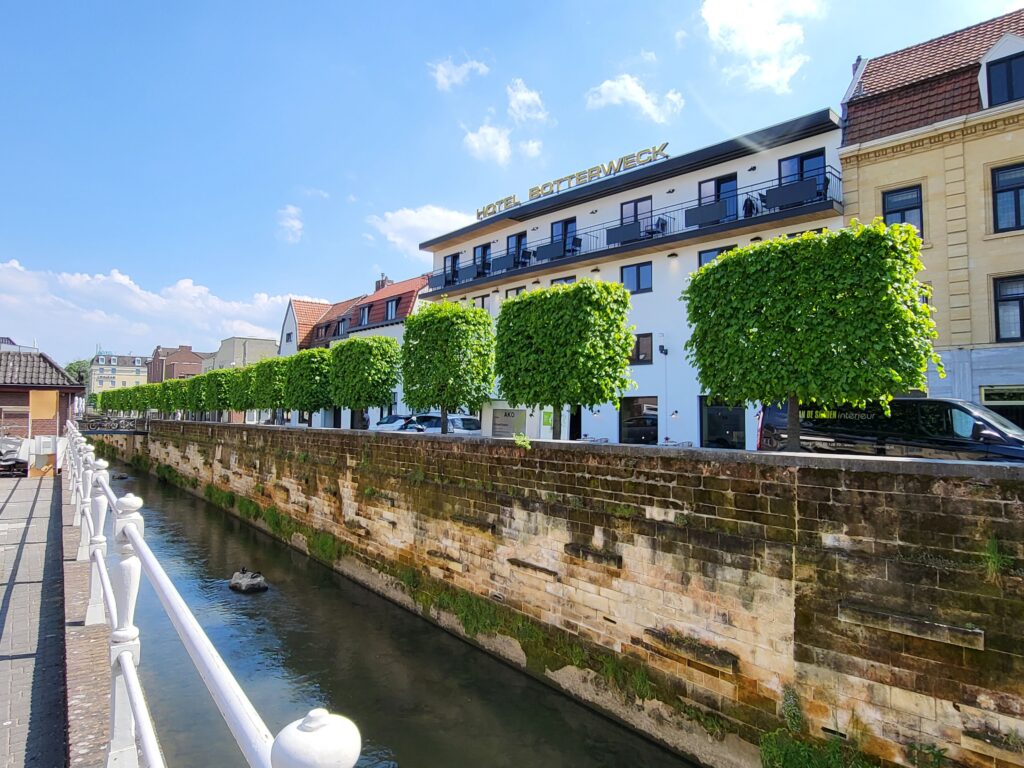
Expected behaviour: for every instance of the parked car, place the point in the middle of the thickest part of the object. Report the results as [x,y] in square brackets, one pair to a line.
[929,428]
[458,424]
[390,423]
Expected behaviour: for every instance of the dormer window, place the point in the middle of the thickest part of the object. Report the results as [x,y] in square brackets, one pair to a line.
[391,309]
[1006,80]
[364,315]
[341,327]
[101,360]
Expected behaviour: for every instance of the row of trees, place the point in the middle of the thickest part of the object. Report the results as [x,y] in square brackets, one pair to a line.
[564,345]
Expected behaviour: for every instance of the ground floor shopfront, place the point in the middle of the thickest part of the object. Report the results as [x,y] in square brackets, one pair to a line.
[992,376]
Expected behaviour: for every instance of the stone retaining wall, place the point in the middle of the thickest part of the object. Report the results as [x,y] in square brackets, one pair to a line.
[885,594]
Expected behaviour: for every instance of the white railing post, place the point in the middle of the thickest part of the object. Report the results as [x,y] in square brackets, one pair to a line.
[94,613]
[319,740]
[125,636]
[85,501]
[76,475]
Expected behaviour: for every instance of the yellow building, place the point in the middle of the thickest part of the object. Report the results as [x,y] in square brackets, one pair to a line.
[109,371]
[934,135]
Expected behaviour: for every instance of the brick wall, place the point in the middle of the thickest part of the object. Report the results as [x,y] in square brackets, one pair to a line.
[860,583]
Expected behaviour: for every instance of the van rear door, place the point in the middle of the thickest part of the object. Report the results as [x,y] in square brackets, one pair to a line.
[941,430]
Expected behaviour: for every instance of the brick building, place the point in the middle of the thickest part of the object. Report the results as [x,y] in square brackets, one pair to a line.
[36,394]
[174,363]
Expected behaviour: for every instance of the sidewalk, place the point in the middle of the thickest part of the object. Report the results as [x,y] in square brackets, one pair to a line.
[33,719]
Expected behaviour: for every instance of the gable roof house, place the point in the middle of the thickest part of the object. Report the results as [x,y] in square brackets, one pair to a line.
[36,394]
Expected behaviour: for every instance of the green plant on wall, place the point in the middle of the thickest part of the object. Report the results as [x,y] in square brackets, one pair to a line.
[448,358]
[307,380]
[364,372]
[832,318]
[994,561]
[565,345]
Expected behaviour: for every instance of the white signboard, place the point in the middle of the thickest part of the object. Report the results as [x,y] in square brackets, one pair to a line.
[506,422]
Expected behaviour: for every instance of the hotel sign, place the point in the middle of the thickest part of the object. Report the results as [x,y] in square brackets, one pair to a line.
[611,168]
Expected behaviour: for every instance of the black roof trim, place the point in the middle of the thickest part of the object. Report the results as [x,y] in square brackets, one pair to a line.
[813,124]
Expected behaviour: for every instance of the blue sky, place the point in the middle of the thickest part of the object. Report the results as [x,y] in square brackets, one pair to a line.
[172,172]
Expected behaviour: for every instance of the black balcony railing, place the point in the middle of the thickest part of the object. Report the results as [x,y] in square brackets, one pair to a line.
[745,206]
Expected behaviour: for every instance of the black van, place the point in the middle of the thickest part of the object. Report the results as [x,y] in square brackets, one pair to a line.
[924,428]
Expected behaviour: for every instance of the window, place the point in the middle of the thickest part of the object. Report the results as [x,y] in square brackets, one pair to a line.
[903,206]
[643,350]
[451,268]
[482,258]
[138,371]
[138,361]
[1006,80]
[722,426]
[113,361]
[564,231]
[636,210]
[810,165]
[391,309]
[1009,293]
[341,327]
[564,280]
[481,301]
[1008,197]
[101,360]
[706,257]
[288,336]
[364,315]
[637,277]
[638,420]
[516,244]
[512,292]
[124,383]
[321,331]
[715,190]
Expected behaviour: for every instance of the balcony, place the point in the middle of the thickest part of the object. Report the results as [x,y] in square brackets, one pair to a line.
[757,205]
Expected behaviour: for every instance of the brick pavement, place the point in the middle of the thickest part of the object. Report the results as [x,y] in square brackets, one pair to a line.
[33,722]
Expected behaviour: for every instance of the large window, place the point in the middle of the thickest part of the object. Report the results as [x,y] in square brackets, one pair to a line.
[638,420]
[636,210]
[810,165]
[706,257]
[643,350]
[451,268]
[512,292]
[564,280]
[637,277]
[482,301]
[482,258]
[364,315]
[722,426]
[1008,197]
[1009,308]
[722,188]
[1006,80]
[903,206]
[516,244]
[564,231]
[391,309]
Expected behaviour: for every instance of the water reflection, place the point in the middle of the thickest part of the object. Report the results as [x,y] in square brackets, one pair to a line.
[419,696]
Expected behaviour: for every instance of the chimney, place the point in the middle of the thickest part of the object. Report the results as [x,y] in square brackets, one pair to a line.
[383,282]
[186,347]
[855,65]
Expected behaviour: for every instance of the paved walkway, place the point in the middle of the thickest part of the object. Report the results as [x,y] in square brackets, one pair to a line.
[32,695]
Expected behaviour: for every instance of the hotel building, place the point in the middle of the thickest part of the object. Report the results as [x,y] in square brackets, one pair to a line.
[646,220]
[109,371]
[934,135]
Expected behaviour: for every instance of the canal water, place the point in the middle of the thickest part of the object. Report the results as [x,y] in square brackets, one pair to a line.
[421,698]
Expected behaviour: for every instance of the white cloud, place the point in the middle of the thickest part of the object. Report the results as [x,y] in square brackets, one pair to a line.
[627,89]
[369,237]
[447,73]
[488,142]
[350,198]
[113,310]
[406,228]
[289,223]
[531,148]
[680,37]
[524,104]
[314,192]
[765,38]
[648,56]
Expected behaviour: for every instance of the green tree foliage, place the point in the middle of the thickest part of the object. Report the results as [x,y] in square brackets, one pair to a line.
[215,388]
[831,318]
[78,370]
[364,371]
[307,380]
[565,345]
[195,394]
[448,358]
[239,386]
[269,382]
[175,394]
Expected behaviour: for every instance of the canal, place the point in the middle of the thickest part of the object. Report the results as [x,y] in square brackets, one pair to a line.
[421,697]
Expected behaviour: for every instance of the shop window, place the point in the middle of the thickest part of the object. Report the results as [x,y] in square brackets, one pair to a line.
[722,425]
[638,420]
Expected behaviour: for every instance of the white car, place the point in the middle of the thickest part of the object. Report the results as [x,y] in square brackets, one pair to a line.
[458,424]
[390,423]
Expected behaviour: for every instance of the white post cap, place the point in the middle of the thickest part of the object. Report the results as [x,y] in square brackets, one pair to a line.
[319,740]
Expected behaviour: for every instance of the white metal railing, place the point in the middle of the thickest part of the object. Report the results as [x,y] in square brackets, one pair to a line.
[318,740]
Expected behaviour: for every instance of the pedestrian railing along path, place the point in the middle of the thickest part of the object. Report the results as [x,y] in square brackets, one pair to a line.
[317,740]
[113,425]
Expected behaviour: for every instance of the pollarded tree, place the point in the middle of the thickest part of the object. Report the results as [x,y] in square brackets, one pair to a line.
[215,387]
[831,318]
[565,345]
[268,383]
[239,385]
[307,380]
[364,371]
[195,394]
[175,394]
[448,358]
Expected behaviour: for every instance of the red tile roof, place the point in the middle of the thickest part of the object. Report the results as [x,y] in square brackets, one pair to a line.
[925,83]
[406,291]
[307,313]
[334,313]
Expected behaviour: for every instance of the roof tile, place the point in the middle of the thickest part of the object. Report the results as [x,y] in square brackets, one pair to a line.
[32,369]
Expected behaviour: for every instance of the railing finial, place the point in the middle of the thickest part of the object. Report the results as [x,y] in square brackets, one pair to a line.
[319,740]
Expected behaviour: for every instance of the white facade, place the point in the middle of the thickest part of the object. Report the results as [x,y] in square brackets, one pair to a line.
[240,351]
[672,252]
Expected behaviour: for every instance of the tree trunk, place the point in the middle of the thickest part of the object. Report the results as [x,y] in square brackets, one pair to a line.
[444,421]
[793,424]
[556,423]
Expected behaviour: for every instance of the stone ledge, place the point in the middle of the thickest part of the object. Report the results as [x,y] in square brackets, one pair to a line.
[548,572]
[473,522]
[991,745]
[914,626]
[590,554]
[683,648]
